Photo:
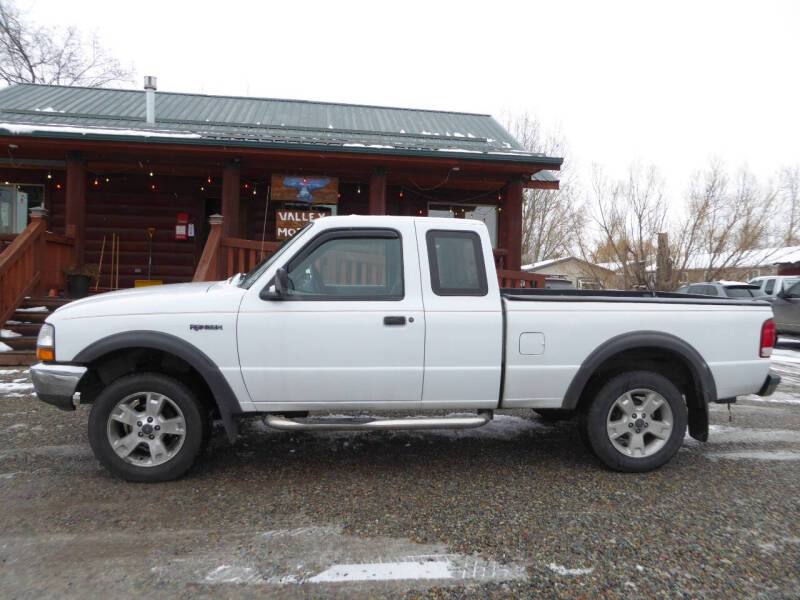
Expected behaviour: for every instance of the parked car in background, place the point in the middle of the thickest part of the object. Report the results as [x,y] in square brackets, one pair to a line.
[772,285]
[723,289]
[786,308]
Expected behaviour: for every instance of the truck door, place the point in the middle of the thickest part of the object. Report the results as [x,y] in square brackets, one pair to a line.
[463,316]
[350,330]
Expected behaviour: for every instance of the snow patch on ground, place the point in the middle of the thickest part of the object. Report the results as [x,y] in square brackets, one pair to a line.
[233,574]
[777,455]
[33,309]
[5,347]
[562,570]
[15,387]
[7,333]
[12,371]
[384,571]
[779,396]
[718,434]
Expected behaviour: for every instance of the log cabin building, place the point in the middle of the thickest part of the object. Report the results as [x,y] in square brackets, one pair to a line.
[218,181]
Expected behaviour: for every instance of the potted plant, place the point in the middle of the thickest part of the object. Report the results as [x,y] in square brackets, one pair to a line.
[78,279]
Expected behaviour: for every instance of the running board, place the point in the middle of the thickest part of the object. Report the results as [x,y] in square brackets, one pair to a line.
[372,424]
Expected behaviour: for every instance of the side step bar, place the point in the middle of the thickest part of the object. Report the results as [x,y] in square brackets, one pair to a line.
[371,424]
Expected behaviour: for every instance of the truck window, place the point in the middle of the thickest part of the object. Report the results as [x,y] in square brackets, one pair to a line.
[770,287]
[456,263]
[349,267]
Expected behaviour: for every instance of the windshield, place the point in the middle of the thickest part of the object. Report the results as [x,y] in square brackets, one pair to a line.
[253,275]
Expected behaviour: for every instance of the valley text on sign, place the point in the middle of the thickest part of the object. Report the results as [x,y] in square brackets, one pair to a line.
[289,222]
[305,189]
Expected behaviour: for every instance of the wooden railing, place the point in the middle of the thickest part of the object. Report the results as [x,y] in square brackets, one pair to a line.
[520,279]
[32,262]
[240,256]
[223,257]
[20,267]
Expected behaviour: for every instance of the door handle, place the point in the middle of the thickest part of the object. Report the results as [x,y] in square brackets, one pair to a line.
[394,320]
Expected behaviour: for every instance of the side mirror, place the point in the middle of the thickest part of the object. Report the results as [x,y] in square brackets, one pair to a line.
[279,287]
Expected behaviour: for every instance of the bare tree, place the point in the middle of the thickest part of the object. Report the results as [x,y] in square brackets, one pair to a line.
[790,196]
[725,221]
[628,216]
[34,54]
[550,218]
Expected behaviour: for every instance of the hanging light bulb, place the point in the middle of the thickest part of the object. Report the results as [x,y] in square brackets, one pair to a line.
[49,175]
[247,186]
[499,197]
[358,189]
[254,189]
[107,179]
[96,182]
[202,188]
[58,186]
[209,179]
[151,173]
[401,192]
[153,186]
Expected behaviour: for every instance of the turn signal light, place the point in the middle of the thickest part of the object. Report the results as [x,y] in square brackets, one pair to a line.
[45,354]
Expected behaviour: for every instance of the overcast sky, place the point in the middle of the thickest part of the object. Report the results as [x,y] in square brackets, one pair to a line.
[667,82]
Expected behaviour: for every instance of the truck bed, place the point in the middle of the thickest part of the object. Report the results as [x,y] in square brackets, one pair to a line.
[529,295]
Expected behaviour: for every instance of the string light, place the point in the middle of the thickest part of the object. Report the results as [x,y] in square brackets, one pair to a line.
[401,192]
[209,179]
[254,189]
[202,188]
[49,175]
[107,179]
[58,186]
[499,197]
[358,189]
[151,173]
[247,186]
[153,186]
[420,211]
[339,195]
[96,182]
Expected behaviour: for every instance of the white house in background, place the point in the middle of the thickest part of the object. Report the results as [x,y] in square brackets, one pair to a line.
[752,263]
[583,274]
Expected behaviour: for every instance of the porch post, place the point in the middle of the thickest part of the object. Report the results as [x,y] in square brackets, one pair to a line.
[75,209]
[377,191]
[512,215]
[39,214]
[230,198]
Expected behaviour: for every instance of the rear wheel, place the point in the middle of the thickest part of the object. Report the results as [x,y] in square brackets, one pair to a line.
[636,422]
[147,427]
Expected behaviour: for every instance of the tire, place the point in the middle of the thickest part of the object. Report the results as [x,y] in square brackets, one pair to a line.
[552,415]
[135,409]
[636,422]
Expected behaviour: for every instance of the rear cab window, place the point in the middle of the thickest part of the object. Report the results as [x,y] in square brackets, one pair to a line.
[456,263]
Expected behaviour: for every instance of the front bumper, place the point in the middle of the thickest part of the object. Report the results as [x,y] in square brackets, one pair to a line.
[56,384]
[770,383]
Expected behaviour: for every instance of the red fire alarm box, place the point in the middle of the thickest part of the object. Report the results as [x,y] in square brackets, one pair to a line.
[182,226]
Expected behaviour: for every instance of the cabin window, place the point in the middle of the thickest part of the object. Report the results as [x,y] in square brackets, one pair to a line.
[456,263]
[15,201]
[350,268]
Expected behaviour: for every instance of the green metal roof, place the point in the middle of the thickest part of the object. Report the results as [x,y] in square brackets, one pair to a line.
[98,113]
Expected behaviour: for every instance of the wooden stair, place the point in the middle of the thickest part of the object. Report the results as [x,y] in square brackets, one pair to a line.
[27,323]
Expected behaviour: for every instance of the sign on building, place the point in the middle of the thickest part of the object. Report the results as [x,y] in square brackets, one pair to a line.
[289,222]
[305,189]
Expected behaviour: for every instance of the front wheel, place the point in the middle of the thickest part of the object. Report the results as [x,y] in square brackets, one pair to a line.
[147,427]
[636,422]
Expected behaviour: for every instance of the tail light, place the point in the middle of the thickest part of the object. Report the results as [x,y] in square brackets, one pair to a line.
[767,338]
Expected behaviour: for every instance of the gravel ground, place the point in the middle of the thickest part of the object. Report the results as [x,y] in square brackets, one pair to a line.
[515,509]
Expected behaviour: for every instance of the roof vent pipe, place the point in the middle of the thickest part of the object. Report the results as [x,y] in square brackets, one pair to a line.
[150,99]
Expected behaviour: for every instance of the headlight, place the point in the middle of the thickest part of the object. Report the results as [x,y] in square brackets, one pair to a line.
[46,343]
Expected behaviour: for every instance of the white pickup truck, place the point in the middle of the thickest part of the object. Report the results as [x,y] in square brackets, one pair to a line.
[394,314]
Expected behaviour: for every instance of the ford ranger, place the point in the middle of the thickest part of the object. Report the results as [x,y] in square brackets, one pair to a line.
[400,314]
